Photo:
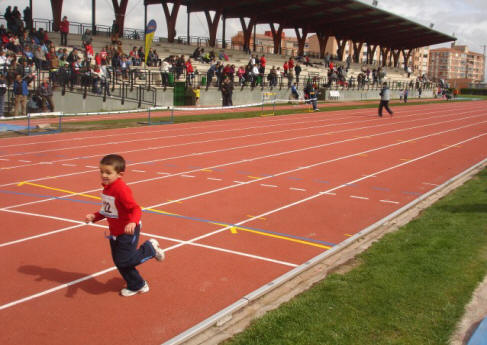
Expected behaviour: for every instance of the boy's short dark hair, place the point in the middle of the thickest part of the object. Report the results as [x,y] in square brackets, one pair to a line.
[116,161]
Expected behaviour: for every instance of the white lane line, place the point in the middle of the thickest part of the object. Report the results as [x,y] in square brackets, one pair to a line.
[214,179]
[328,193]
[4,159]
[24,161]
[359,197]
[264,143]
[239,183]
[138,171]
[187,176]
[297,189]
[207,128]
[431,184]
[56,288]
[68,165]
[268,185]
[110,269]
[91,167]
[41,235]
[163,173]
[389,202]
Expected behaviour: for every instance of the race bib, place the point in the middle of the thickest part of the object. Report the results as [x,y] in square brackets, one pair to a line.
[108,208]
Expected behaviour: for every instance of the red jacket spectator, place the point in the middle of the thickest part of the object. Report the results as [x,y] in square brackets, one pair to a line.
[263,61]
[291,63]
[286,67]
[64,26]
[189,67]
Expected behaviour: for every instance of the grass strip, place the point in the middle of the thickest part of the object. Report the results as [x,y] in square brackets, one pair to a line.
[410,287]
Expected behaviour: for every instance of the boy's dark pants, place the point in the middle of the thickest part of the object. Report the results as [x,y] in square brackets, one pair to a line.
[386,105]
[126,256]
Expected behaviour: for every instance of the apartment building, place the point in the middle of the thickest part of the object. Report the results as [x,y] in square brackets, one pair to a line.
[456,65]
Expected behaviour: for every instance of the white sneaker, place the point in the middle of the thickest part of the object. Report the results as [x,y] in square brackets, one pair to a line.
[127,293]
[159,252]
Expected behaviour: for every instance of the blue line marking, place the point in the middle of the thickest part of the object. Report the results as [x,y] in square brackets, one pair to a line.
[381,189]
[51,197]
[321,181]
[294,178]
[176,216]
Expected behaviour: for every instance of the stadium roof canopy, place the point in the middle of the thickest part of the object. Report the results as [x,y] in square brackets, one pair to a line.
[347,19]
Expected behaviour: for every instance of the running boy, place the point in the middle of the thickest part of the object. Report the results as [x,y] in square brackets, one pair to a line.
[123,216]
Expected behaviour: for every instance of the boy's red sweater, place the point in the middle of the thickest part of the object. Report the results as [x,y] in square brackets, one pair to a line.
[119,207]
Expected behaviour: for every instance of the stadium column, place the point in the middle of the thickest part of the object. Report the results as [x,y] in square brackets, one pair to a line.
[357,51]
[56,6]
[171,18]
[371,48]
[276,37]
[247,30]
[341,47]
[323,41]
[406,54]
[213,25]
[301,39]
[395,56]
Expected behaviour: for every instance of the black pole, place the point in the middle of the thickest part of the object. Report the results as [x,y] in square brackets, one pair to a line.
[188,37]
[255,44]
[145,26]
[93,17]
[224,45]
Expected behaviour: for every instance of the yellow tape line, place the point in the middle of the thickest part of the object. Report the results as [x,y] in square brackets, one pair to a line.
[85,195]
[234,229]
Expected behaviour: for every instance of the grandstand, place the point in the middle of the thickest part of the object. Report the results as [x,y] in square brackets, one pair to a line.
[144,86]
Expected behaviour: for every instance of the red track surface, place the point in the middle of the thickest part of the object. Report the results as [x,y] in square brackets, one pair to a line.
[264,175]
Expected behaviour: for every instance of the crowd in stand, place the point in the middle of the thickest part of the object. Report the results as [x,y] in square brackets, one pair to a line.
[25,50]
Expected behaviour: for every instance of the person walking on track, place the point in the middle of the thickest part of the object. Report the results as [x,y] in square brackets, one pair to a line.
[385,96]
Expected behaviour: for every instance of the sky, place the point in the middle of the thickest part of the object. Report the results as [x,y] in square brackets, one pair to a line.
[464,19]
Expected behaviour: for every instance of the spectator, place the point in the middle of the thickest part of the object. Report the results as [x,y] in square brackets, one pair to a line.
[40,59]
[3,90]
[272,77]
[45,93]
[64,29]
[21,92]
[165,73]
[294,91]
[227,91]
[263,62]
[189,72]
[297,72]
[241,75]
[28,18]
[87,37]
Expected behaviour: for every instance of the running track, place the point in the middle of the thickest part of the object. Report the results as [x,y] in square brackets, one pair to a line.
[236,204]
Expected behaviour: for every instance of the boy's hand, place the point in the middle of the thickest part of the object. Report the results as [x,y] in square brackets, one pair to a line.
[129,228]
[89,218]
